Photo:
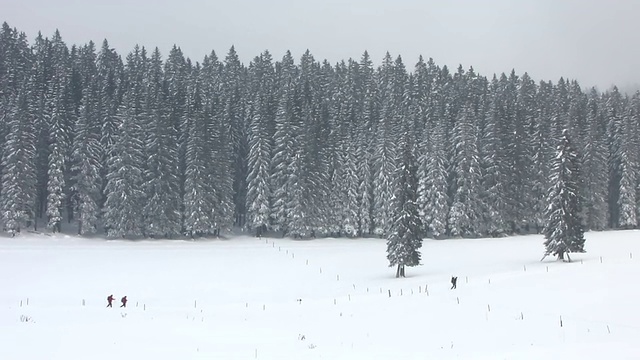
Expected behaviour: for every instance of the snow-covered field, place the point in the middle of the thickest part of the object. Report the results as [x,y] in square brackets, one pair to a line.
[250,298]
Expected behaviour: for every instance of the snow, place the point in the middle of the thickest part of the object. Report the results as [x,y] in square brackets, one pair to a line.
[248,298]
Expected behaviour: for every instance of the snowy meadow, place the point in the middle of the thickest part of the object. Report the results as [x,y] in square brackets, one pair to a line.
[249,298]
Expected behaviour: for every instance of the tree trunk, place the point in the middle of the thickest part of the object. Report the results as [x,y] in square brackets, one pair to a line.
[561,255]
[398,271]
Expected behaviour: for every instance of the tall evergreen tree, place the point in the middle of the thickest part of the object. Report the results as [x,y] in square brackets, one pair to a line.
[563,231]
[17,195]
[405,234]
[199,196]
[594,167]
[161,179]
[260,145]
[493,177]
[233,93]
[86,162]
[367,113]
[126,163]
[465,212]
[391,91]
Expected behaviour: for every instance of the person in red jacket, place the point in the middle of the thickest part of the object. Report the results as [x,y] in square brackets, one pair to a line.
[110,300]
[124,301]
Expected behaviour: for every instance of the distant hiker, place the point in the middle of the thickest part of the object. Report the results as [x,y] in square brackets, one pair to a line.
[454,282]
[124,301]
[110,300]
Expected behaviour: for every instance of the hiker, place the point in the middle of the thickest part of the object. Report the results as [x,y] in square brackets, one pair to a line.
[124,301]
[110,300]
[454,282]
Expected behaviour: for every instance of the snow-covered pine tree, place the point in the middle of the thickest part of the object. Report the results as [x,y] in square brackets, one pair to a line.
[59,112]
[18,192]
[433,199]
[222,174]
[40,108]
[281,162]
[541,152]
[85,167]
[315,81]
[343,198]
[126,163]
[351,180]
[404,238]
[510,152]
[465,212]
[366,120]
[493,178]
[176,74]
[297,205]
[526,116]
[110,78]
[335,210]
[260,144]
[199,196]
[563,230]
[433,162]
[594,167]
[58,140]
[161,178]
[614,116]
[390,92]
[627,169]
[233,94]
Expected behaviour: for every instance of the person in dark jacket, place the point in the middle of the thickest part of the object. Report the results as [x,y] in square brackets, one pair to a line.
[454,282]
[110,300]
[124,301]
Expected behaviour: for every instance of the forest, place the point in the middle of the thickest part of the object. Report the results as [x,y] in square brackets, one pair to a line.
[161,146]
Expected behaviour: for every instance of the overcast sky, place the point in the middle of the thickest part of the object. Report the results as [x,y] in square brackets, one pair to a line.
[596,42]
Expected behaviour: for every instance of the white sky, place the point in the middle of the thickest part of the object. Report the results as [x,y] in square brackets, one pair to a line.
[596,42]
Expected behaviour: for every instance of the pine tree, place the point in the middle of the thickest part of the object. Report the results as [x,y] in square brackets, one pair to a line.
[618,156]
[594,167]
[465,212]
[367,118]
[126,163]
[281,163]
[563,230]
[161,179]
[232,92]
[390,92]
[17,196]
[260,145]
[110,82]
[86,163]
[59,121]
[541,152]
[627,167]
[405,234]
[175,81]
[199,196]
[493,178]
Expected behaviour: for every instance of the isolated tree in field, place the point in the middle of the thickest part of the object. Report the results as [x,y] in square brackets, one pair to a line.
[563,230]
[405,235]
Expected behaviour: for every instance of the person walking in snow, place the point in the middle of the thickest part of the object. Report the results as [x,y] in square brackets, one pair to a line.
[124,301]
[110,300]
[454,282]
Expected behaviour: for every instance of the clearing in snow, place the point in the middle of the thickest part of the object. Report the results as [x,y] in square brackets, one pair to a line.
[267,298]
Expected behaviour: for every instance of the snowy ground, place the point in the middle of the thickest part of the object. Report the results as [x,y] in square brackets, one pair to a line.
[238,299]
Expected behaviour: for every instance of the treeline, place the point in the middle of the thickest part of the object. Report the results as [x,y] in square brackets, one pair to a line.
[153,147]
